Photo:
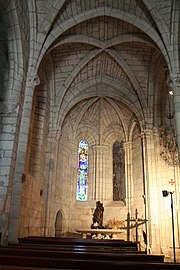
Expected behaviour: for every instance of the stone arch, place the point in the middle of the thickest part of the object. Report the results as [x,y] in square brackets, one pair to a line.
[16,65]
[90,87]
[115,57]
[59,223]
[139,23]
[104,45]
[89,103]
[4,66]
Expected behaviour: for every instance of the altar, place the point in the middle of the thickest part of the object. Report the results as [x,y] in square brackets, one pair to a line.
[115,234]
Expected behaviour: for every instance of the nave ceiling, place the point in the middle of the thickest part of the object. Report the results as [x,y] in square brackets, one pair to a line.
[124,65]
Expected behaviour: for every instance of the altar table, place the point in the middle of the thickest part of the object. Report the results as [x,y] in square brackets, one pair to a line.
[115,233]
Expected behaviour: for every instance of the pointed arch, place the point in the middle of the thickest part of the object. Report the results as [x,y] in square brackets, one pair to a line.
[59,224]
[82,174]
[119,185]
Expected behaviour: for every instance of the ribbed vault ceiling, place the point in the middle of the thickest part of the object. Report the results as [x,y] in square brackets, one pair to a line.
[106,56]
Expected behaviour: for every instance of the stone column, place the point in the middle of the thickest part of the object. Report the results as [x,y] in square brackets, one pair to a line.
[9,124]
[145,136]
[50,186]
[98,189]
[128,173]
[19,176]
[174,83]
[151,190]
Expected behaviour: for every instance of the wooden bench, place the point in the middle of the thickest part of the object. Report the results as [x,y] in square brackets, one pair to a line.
[77,253]
[73,263]
[76,243]
[79,242]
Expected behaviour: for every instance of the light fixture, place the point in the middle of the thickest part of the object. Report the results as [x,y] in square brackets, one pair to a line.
[165,194]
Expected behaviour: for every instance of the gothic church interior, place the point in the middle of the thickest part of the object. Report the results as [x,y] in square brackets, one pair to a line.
[89,111]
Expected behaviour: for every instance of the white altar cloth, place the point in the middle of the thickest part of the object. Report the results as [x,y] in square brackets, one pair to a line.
[115,233]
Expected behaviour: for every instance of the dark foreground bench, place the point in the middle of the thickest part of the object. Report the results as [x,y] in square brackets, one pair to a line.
[78,241]
[70,253]
[65,263]
[78,254]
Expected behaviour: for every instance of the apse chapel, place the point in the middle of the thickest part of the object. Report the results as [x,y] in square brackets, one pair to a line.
[90,111]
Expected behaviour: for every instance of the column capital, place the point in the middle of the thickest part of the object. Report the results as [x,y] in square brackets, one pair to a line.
[173,80]
[33,79]
[146,133]
[100,148]
[128,144]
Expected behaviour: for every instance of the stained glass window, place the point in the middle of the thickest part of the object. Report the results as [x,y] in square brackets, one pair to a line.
[119,187]
[82,175]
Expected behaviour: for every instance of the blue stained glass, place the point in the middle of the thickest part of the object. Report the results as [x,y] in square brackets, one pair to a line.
[82,175]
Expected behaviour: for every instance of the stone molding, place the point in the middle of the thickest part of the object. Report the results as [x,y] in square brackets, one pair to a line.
[168,146]
[100,148]
[173,81]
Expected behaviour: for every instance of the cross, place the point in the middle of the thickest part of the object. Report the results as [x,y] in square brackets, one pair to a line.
[172,182]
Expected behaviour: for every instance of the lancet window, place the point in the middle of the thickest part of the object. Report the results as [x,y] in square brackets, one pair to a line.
[119,186]
[82,174]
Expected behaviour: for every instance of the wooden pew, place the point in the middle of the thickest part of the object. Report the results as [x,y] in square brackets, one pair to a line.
[79,254]
[64,263]
[121,244]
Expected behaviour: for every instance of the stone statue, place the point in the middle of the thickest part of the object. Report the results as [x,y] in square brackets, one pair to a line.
[98,216]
